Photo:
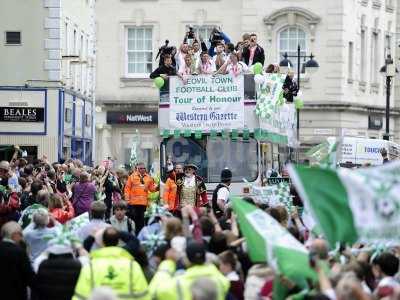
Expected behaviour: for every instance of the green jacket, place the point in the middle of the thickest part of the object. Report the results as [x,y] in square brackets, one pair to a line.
[116,268]
[167,286]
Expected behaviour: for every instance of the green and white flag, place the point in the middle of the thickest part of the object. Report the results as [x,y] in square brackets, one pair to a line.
[274,195]
[352,205]
[324,154]
[74,224]
[133,160]
[27,213]
[268,241]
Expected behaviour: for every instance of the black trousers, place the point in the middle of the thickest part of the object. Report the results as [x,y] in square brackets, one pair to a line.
[136,213]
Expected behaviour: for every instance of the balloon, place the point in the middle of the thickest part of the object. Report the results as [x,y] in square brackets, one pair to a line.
[298,103]
[259,79]
[258,67]
[159,82]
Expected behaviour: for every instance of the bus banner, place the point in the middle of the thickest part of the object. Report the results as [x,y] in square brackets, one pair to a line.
[206,102]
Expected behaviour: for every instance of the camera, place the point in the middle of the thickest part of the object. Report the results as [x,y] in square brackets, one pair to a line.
[190,34]
[215,37]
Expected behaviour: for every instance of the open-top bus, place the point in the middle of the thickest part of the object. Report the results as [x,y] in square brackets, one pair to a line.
[211,122]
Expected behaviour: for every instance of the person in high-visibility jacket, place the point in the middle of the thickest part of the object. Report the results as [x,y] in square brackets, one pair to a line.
[165,285]
[137,190]
[114,267]
[170,189]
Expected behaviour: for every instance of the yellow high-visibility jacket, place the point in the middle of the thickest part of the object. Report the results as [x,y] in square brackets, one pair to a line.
[165,285]
[116,268]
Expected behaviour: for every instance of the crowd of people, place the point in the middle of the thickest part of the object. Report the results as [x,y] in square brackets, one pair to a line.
[183,246]
[221,57]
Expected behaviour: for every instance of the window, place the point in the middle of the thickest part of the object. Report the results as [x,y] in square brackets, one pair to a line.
[363,55]
[203,31]
[88,120]
[289,39]
[66,38]
[68,115]
[350,62]
[139,50]
[13,37]
[388,42]
[75,43]
[211,156]
[374,57]
[81,52]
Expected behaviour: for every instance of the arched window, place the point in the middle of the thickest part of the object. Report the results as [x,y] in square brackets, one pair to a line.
[289,39]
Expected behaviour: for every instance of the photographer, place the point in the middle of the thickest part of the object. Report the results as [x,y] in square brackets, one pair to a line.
[165,70]
[217,36]
[190,36]
[253,53]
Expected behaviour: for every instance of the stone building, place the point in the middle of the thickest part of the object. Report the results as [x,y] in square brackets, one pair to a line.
[47,81]
[349,38]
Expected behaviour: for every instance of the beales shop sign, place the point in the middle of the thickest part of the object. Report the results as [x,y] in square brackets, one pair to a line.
[121,117]
[21,114]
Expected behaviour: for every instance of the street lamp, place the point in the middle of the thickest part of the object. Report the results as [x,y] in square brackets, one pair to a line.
[388,70]
[311,66]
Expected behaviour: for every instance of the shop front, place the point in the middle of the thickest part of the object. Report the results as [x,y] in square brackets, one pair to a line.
[129,134]
[45,122]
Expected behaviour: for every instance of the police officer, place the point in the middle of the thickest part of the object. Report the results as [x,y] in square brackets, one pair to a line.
[220,195]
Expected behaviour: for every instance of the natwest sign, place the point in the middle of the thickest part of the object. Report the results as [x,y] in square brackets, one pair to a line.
[121,117]
[21,114]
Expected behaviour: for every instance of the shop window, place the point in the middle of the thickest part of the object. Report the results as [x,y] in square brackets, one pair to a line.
[28,152]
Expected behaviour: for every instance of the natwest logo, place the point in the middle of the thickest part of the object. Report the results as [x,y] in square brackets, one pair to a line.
[139,118]
[120,117]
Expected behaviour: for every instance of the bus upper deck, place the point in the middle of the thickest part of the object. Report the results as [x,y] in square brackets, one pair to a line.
[211,121]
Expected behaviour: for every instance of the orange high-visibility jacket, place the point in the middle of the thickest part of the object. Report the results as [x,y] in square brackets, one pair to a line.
[137,192]
[170,193]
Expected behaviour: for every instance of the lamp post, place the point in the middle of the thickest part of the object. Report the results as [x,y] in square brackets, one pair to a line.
[311,66]
[388,70]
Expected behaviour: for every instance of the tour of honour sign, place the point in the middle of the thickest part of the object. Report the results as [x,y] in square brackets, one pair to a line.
[207,102]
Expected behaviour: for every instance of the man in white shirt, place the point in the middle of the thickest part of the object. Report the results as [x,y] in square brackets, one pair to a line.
[220,57]
[97,213]
[220,197]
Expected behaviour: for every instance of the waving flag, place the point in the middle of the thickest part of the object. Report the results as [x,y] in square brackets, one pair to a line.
[268,241]
[352,205]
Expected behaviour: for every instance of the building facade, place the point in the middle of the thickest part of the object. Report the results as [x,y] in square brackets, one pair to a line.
[349,38]
[47,81]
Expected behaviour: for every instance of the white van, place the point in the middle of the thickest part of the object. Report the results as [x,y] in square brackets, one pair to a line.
[361,151]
